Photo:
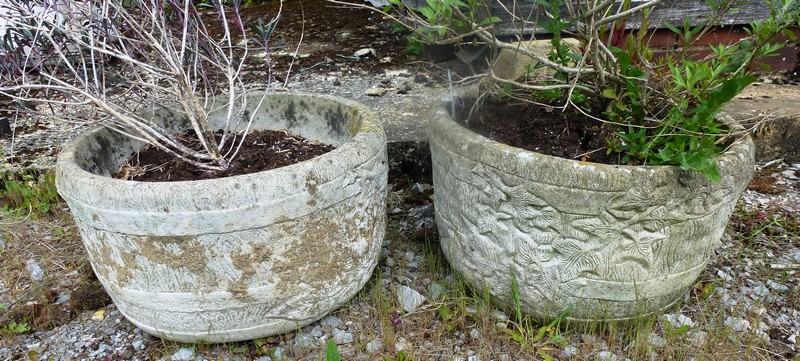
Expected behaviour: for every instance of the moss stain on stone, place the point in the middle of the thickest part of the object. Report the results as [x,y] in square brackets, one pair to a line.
[247,261]
[175,252]
[315,255]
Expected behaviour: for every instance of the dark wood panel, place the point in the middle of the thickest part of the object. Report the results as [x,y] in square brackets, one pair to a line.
[673,11]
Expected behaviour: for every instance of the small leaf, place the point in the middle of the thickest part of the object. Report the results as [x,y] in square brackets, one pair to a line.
[672,27]
[445,313]
[332,351]
[789,34]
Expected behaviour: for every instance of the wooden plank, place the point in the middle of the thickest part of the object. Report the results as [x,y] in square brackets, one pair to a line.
[672,11]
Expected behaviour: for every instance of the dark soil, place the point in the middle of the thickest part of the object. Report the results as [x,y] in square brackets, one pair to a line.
[794,74]
[262,150]
[545,130]
[328,36]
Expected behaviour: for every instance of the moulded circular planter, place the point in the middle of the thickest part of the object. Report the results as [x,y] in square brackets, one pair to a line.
[241,257]
[601,241]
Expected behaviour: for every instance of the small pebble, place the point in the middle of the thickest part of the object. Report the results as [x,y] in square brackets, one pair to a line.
[376,92]
[656,341]
[184,354]
[342,337]
[331,321]
[435,291]
[374,345]
[737,324]
[36,271]
[777,286]
[409,298]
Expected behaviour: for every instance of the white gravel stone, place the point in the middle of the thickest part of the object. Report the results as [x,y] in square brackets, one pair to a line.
[304,340]
[342,337]
[474,334]
[762,336]
[409,298]
[278,353]
[435,291]
[737,324]
[374,345]
[365,52]
[606,356]
[184,354]
[138,344]
[777,287]
[499,315]
[570,351]
[36,271]
[376,92]
[331,321]
[761,291]
[656,341]
[317,332]
[677,320]
[401,344]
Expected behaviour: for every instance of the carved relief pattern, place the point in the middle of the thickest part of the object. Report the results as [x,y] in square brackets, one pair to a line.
[624,249]
[248,283]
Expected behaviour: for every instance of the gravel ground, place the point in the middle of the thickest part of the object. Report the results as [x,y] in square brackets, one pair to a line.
[746,305]
[750,287]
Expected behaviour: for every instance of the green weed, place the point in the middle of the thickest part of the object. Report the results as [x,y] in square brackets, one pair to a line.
[332,351]
[28,195]
[13,328]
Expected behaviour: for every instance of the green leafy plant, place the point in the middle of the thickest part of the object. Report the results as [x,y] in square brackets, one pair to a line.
[23,195]
[527,335]
[660,109]
[443,21]
[13,327]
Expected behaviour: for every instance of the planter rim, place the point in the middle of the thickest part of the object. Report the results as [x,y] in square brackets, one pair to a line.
[371,124]
[443,122]
[108,201]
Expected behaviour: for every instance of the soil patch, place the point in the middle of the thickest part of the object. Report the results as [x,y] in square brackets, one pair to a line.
[327,36]
[262,150]
[546,130]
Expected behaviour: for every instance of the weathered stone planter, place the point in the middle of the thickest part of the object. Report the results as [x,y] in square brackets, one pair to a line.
[604,242]
[241,257]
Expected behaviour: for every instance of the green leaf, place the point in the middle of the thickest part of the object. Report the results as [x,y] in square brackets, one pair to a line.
[428,13]
[445,313]
[610,93]
[332,351]
[789,34]
[682,329]
[673,28]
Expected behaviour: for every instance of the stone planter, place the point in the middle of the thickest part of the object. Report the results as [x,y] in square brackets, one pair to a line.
[241,257]
[604,242]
